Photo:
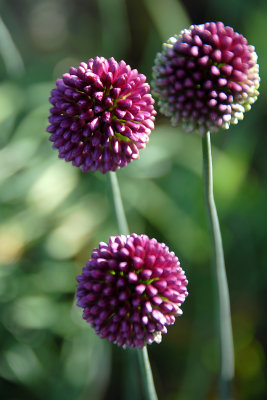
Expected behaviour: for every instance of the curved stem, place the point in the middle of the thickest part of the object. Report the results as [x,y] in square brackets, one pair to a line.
[124,229]
[222,291]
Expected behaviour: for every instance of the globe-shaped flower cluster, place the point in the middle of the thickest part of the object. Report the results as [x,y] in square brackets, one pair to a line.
[102,115]
[206,77]
[131,289]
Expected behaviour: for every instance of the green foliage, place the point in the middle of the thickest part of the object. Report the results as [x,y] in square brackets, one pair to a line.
[52,215]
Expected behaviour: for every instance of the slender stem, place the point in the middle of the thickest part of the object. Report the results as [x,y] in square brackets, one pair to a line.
[119,209]
[222,301]
[124,229]
[147,374]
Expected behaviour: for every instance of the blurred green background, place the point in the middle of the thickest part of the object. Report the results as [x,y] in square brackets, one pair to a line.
[52,215]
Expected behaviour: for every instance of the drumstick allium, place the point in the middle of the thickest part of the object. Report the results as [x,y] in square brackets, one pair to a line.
[102,115]
[206,77]
[131,289]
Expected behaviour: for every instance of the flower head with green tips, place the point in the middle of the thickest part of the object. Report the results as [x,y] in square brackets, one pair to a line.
[102,115]
[206,77]
[131,289]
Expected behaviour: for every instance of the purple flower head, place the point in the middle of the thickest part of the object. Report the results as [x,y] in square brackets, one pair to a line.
[102,115]
[206,77]
[131,289]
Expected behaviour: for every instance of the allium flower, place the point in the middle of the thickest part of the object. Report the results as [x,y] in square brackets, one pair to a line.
[102,115]
[206,77]
[130,289]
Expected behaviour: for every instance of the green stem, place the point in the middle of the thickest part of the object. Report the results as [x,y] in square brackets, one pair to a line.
[222,301]
[119,209]
[124,229]
[147,374]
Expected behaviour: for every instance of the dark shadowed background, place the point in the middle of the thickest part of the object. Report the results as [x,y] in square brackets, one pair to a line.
[52,215]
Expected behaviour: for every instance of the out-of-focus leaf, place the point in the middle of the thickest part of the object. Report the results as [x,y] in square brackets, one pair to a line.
[52,187]
[12,242]
[76,228]
[161,210]
[115,31]
[11,102]
[169,16]
[34,312]
[39,93]
[24,363]
[24,143]
[225,166]
[11,56]
[256,29]
[167,147]
[55,277]
[9,287]
[78,366]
